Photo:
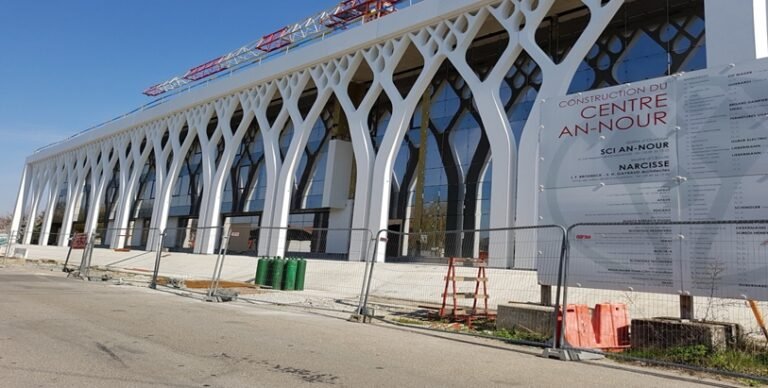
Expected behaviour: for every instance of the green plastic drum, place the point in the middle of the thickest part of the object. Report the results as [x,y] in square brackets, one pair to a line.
[270,269]
[289,277]
[301,271]
[278,265]
[261,271]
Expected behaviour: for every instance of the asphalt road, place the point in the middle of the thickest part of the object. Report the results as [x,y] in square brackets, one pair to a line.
[57,332]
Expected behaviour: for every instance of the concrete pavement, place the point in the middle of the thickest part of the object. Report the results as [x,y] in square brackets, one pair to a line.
[58,332]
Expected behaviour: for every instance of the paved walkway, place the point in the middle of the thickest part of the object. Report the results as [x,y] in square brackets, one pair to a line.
[58,332]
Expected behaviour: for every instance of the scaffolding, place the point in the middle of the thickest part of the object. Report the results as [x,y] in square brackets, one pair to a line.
[340,17]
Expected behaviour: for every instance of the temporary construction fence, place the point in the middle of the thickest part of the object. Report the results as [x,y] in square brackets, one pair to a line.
[443,279]
[8,240]
[13,242]
[135,238]
[342,244]
[684,293]
[336,263]
[79,254]
[183,239]
[36,235]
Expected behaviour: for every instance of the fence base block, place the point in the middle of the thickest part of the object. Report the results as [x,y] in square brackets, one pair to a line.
[222,296]
[360,318]
[570,355]
[364,316]
[661,333]
[556,354]
[527,317]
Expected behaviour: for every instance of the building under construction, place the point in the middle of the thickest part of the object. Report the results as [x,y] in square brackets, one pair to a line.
[399,115]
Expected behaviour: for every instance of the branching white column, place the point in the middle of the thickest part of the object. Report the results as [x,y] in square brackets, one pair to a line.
[102,168]
[362,145]
[76,166]
[95,158]
[53,193]
[162,149]
[209,151]
[270,133]
[210,212]
[195,118]
[26,229]
[18,211]
[38,188]
[556,80]
[129,181]
[486,94]
[291,89]
[429,44]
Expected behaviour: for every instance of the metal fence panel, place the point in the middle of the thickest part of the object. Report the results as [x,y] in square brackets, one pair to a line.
[411,276]
[337,261]
[686,293]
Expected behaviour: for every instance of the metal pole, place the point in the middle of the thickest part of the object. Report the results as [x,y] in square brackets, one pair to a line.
[161,239]
[557,340]
[84,256]
[85,261]
[69,253]
[215,271]
[379,239]
[90,253]
[686,307]
[215,282]
[365,279]
[566,264]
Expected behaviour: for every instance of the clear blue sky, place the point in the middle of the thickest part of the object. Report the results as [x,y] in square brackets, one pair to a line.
[67,65]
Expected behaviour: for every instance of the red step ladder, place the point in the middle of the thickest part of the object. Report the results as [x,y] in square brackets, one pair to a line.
[462,313]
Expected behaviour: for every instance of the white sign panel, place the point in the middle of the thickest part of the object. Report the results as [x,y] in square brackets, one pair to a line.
[639,258]
[724,122]
[616,257]
[726,260]
[713,199]
[684,148]
[612,136]
[637,202]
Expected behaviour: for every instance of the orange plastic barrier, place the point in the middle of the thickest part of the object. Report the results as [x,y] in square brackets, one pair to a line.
[606,328]
[578,330]
[611,325]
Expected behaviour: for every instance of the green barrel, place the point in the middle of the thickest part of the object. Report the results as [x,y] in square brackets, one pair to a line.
[261,271]
[289,276]
[270,268]
[277,274]
[301,271]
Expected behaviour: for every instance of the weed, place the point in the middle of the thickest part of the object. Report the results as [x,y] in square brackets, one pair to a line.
[513,334]
[731,360]
[408,321]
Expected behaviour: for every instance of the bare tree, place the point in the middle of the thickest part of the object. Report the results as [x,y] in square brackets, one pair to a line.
[5,221]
